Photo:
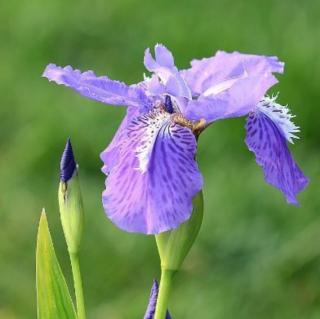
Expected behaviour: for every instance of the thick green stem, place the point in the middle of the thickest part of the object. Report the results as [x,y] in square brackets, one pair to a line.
[164,291]
[77,281]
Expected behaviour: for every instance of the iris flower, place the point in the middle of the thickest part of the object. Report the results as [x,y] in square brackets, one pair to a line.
[152,174]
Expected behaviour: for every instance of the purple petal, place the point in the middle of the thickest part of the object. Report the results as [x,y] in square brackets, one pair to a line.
[153,302]
[110,155]
[223,70]
[154,86]
[229,84]
[163,66]
[163,56]
[151,187]
[280,115]
[270,147]
[101,88]
[238,100]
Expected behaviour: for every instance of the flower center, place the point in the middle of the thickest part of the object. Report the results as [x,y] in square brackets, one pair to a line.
[168,104]
[195,126]
[176,117]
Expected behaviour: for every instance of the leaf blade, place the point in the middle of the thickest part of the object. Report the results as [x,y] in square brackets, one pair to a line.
[53,297]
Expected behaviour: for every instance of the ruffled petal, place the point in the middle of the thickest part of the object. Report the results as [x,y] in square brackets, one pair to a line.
[151,187]
[229,84]
[100,88]
[163,66]
[151,309]
[237,101]
[266,140]
[211,76]
[280,115]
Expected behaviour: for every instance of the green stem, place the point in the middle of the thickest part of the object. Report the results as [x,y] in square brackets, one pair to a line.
[77,281]
[164,291]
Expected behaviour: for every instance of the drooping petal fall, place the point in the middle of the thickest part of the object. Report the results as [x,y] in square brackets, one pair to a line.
[266,140]
[99,88]
[280,115]
[110,155]
[151,187]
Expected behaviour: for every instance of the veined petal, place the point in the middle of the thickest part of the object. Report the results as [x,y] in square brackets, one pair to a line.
[163,66]
[100,88]
[267,142]
[147,130]
[151,187]
[110,155]
[280,115]
[153,302]
[211,76]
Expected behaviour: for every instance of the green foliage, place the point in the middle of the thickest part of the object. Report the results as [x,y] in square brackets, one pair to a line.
[71,212]
[53,297]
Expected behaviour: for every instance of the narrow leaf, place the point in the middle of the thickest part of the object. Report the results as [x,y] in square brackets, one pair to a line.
[53,296]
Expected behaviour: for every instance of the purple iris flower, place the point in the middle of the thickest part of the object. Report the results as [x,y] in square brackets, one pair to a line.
[151,309]
[150,164]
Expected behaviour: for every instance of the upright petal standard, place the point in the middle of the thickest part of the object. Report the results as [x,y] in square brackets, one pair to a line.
[150,164]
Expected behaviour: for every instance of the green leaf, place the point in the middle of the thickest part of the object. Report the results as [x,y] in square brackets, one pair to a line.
[53,297]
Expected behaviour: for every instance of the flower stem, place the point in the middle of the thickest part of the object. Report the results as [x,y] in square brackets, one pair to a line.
[164,291]
[77,281]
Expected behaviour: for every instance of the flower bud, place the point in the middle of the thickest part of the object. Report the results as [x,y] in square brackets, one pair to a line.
[70,200]
[153,302]
[174,245]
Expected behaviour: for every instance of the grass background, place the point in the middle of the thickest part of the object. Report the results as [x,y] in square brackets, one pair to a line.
[256,256]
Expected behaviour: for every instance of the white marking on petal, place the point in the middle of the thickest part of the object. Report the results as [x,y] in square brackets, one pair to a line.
[152,126]
[224,85]
[280,115]
[146,77]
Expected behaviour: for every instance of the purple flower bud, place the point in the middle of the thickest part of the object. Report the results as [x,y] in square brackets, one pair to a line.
[70,200]
[68,164]
[153,302]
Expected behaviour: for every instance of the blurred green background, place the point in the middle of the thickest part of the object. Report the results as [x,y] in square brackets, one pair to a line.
[256,256]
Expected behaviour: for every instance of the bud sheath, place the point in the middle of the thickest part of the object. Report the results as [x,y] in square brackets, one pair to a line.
[174,245]
[71,214]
